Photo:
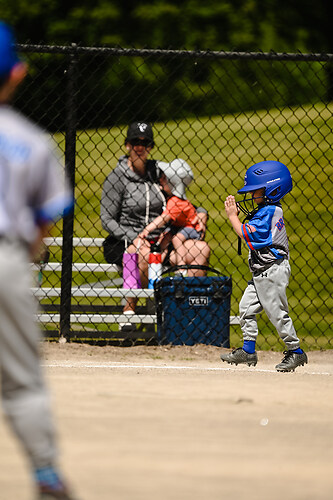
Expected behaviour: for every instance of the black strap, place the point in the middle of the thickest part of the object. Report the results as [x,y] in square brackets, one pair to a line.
[248,217]
[153,172]
[239,249]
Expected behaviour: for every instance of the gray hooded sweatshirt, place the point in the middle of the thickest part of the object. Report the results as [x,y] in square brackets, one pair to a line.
[130,202]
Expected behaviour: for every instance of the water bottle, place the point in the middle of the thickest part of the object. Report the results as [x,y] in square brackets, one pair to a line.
[154,264]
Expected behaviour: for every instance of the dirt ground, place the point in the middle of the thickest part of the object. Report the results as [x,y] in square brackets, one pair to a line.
[175,423]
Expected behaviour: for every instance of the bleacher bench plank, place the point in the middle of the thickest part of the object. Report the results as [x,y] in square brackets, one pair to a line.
[77,242]
[99,318]
[109,318]
[44,292]
[80,267]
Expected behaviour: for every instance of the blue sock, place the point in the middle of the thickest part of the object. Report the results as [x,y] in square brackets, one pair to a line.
[48,476]
[249,346]
[298,350]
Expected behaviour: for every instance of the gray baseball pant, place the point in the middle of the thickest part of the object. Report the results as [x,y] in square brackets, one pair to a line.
[24,395]
[268,292]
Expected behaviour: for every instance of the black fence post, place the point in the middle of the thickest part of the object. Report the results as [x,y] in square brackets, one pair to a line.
[68,222]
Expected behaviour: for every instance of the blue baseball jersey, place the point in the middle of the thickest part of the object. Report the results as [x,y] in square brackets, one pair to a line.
[265,235]
[33,186]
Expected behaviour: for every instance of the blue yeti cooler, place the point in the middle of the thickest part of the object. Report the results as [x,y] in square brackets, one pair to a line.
[193,310]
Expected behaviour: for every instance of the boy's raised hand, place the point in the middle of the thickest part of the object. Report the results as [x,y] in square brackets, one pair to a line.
[232,212]
[230,206]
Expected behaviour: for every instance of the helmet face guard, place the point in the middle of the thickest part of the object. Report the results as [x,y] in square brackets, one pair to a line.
[247,205]
[273,176]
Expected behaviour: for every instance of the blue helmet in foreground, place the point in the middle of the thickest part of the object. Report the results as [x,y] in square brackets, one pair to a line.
[272,175]
[8,55]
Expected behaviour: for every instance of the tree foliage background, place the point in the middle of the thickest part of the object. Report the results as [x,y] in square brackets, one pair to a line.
[213,25]
[279,25]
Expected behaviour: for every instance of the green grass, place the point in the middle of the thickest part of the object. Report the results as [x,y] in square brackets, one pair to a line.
[220,149]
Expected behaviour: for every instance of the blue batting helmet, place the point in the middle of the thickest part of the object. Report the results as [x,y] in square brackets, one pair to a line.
[272,175]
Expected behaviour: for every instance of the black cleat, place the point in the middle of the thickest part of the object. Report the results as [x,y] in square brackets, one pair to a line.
[291,361]
[238,356]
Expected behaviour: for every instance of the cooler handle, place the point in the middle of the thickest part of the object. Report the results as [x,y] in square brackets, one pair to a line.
[172,269]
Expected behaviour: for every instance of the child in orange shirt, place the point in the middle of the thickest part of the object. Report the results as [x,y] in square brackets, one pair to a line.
[182,215]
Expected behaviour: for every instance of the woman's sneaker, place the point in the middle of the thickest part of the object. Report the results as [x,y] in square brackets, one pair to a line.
[238,356]
[127,327]
[291,361]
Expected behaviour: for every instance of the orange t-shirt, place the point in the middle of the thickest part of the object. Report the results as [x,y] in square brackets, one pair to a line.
[182,213]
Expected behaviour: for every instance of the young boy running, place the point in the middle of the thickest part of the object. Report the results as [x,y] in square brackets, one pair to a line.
[265,234]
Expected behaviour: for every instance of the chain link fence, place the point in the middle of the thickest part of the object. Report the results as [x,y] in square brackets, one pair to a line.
[220,112]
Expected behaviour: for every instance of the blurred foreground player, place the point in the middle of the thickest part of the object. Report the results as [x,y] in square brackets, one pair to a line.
[33,193]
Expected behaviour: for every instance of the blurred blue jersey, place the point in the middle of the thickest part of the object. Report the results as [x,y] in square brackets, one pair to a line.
[33,186]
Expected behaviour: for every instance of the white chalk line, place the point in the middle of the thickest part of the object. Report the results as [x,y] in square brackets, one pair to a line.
[119,365]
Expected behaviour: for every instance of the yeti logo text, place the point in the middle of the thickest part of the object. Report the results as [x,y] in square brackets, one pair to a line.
[142,126]
[198,301]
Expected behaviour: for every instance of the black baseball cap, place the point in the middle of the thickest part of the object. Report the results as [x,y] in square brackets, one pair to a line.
[140,129]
